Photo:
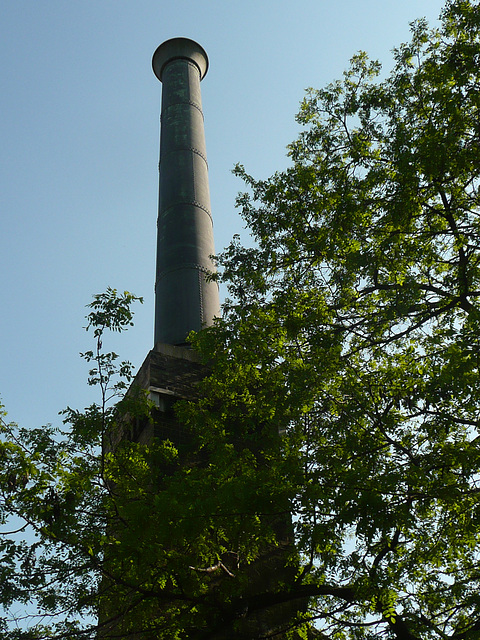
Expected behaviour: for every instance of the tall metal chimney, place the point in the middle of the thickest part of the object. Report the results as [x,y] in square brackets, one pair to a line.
[184,299]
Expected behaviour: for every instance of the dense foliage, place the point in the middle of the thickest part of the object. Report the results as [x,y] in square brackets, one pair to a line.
[354,327]
[337,431]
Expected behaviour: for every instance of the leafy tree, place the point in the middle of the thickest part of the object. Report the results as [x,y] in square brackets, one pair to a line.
[337,430]
[54,500]
[353,326]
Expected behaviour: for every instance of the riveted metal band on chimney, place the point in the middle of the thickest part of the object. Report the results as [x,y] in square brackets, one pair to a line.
[184,299]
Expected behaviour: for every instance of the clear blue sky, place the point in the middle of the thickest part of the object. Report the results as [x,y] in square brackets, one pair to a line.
[79,131]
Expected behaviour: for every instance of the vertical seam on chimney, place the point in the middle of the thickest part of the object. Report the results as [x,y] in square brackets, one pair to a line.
[200,294]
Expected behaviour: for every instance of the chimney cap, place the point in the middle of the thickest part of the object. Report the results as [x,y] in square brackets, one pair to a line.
[176,48]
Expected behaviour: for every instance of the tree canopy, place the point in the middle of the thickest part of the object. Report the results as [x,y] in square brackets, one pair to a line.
[353,327]
[343,394]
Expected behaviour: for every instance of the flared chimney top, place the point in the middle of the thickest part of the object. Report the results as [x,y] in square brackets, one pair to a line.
[176,48]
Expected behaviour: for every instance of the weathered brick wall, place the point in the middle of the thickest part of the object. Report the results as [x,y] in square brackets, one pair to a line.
[174,369]
[172,373]
[168,374]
